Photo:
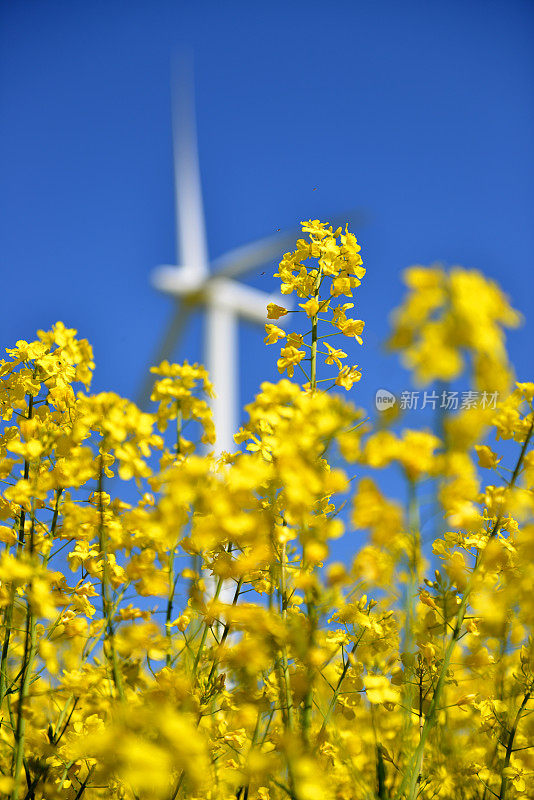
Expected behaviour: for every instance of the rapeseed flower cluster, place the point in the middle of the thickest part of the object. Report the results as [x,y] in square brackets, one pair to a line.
[198,641]
[320,271]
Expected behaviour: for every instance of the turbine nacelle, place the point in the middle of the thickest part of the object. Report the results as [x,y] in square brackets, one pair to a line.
[178,281]
[216,291]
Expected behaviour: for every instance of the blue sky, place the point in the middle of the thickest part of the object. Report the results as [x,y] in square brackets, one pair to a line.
[421,114]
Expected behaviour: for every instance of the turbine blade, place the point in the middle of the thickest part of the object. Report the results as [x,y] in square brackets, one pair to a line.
[244,301]
[179,319]
[247,257]
[192,250]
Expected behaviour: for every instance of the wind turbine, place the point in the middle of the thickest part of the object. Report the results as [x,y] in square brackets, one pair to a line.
[193,284]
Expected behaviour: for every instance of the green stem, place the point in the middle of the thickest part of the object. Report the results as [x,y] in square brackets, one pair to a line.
[107,604]
[337,690]
[226,631]
[30,647]
[414,563]
[8,622]
[172,578]
[170,604]
[286,698]
[510,743]
[414,560]
[311,608]
[314,326]
[8,614]
[83,785]
[287,704]
[198,655]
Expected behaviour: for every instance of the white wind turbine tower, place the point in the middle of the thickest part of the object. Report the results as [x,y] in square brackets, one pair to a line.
[193,284]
